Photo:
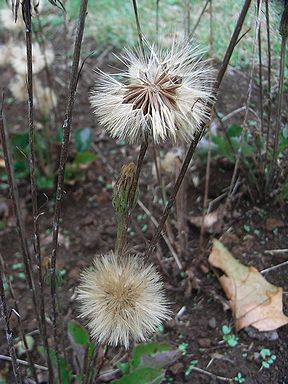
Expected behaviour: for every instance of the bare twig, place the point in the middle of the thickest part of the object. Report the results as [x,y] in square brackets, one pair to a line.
[23,362]
[19,322]
[140,36]
[63,157]
[221,378]
[275,267]
[26,7]
[8,332]
[199,18]
[269,105]
[200,133]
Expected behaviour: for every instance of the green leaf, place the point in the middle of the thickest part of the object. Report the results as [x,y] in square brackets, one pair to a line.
[265,352]
[147,349]
[124,367]
[78,333]
[21,347]
[226,330]
[265,364]
[84,158]
[141,376]
[83,139]
[234,131]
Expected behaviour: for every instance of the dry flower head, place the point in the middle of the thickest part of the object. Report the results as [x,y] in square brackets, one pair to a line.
[40,57]
[165,93]
[122,299]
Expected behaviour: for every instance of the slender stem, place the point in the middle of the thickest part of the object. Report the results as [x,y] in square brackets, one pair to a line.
[36,238]
[260,70]
[269,105]
[63,157]
[123,224]
[199,134]
[9,336]
[279,109]
[19,322]
[23,362]
[157,20]
[140,36]
[199,18]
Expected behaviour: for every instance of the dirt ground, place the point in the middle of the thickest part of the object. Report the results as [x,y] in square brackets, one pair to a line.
[88,229]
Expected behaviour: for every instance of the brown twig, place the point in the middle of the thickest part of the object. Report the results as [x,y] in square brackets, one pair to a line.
[26,8]
[140,36]
[269,104]
[19,322]
[200,133]
[199,18]
[63,157]
[8,332]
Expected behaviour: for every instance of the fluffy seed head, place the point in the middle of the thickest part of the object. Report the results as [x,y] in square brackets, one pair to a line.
[8,22]
[164,94]
[40,57]
[5,54]
[121,299]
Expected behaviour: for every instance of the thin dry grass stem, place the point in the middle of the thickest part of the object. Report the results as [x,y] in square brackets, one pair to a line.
[210,28]
[187,19]
[199,134]
[157,20]
[8,332]
[244,124]
[206,191]
[199,19]
[140,36]
[19,322]
[284,35]
[260,72]
[181,213]
[17,211]
[26,8]
[269,104]
[23,362]
[62,162]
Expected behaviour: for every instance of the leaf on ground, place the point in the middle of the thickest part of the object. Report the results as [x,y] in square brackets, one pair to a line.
[211,223]
[253,300]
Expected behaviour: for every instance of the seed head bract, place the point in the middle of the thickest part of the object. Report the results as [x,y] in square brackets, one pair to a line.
[121,299]
[162,93]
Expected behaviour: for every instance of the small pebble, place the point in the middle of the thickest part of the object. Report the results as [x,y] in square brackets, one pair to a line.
[212,323]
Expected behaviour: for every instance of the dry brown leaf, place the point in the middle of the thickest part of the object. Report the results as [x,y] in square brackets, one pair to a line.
[212,221]
[253,300]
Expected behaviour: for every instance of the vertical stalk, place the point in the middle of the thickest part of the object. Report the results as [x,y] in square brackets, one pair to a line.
[26,7]
[19,323]
[269,79]
[140,36]
[200,133]
[157,20]
[62,162]
[260,69]
[199,18]
[8,332]
[284,34]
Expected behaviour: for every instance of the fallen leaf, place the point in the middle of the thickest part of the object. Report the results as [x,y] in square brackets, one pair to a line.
[252,299]
[272,223]
[212,221]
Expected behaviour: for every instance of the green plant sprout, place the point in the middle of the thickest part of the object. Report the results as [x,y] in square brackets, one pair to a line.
[239,378]
[183,348]
[267,358]
[191,366]
[228,337]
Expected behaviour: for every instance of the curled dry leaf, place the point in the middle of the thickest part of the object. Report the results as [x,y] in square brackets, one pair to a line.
[253,300]
[212,221]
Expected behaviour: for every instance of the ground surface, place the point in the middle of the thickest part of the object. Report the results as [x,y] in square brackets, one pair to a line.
[88,229]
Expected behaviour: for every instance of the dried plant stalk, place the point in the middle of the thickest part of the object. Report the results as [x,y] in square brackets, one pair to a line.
[200,133]
[62,162]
